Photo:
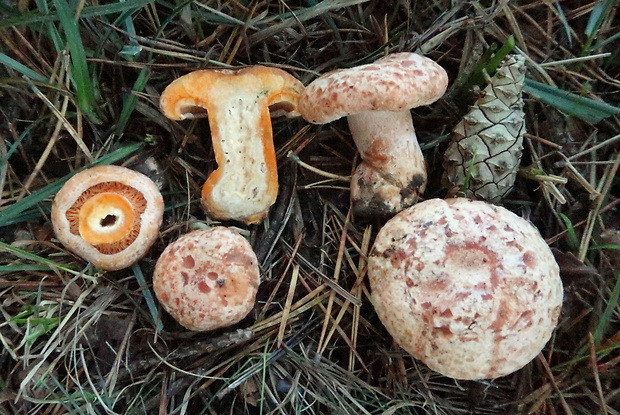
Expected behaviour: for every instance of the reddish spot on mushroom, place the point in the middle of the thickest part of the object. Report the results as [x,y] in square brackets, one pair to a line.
[529,259]
[239,257]
[398,257]
[378,151]
[446,313]
[203,287]
[212,275]
[514,245]
[503,315]
[444,331]
[188,262]
[185,277]
[474,259]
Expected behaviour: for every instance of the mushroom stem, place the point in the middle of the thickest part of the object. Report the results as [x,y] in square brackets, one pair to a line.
[245,184]
[393,173]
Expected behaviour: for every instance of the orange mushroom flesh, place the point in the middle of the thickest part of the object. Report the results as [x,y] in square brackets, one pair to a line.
[109,215]
[239,105]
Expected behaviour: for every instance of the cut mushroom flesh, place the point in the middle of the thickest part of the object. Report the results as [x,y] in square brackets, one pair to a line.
[237,104]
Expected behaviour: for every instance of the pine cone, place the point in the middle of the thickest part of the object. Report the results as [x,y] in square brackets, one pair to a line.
[483,158]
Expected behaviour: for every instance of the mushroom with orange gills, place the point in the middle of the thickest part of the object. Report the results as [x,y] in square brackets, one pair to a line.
[376,99]
[238,105]
[469,288]
[109,215]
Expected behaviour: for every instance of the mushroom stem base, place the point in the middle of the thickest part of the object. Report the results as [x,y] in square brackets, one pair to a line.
[393,173]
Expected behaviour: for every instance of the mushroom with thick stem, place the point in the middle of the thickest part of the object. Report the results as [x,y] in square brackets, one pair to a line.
[207,278]
[376,99]
[469,288]
[238,105]
[109,215]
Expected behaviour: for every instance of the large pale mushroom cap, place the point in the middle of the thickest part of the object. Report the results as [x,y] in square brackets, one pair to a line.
[109,215]
[397,82]
[207,278]
[469,288]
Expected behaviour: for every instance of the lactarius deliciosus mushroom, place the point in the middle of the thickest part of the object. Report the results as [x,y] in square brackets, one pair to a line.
[238,104]
[207,278]
[469,288]
[109,215]
[376,99]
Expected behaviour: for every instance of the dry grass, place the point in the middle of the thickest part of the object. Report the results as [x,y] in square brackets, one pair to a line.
[76,340]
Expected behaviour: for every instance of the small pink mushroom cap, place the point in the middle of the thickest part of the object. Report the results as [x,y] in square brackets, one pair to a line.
[207,278]
[396,82]
[469,288]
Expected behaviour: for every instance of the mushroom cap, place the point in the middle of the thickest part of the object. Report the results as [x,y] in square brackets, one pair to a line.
[108,215]
[194,93]
[469,288]
[396,82]
[207,278]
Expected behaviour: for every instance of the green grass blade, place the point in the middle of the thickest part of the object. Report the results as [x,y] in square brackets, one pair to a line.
[599,12]
[606,42]
[596,17]
[30,18]
[148,297]
[21,68]
[6,9]
[562,16]
[85,88]
[569,103]
[130,103]
[488,63]
[29,256]
[52,30]
[604,246]
[607,315]
[8,215]
[23,268]
[573,240]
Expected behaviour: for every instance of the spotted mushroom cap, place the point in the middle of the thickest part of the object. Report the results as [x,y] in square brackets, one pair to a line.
[396,82]
[469,288]
[207,278]
[109,215]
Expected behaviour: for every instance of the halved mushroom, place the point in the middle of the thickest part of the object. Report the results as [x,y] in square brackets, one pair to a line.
[237,104]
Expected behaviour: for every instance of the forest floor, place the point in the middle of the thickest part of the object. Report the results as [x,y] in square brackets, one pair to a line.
[80,85]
